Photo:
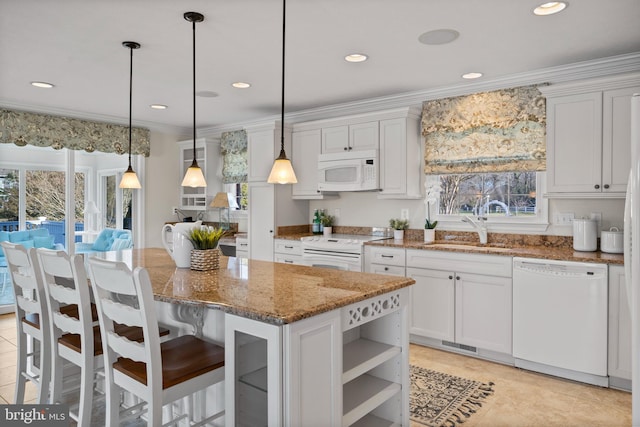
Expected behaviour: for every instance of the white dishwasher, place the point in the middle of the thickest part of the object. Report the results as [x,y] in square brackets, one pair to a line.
[560,319]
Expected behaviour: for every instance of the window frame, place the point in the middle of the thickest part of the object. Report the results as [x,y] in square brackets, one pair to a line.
[508,224]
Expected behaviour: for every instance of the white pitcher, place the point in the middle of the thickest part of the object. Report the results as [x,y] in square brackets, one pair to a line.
[180,249]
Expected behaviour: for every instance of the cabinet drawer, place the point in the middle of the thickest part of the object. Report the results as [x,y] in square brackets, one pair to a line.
[493,265]
[288,259]
[293,247]
[392,270]
[387,256]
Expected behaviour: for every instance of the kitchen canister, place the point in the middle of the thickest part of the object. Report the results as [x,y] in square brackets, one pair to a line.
[585,235]
[612,241]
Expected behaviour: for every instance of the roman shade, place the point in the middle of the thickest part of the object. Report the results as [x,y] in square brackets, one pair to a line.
[43,130]
[499,131]
[233,146]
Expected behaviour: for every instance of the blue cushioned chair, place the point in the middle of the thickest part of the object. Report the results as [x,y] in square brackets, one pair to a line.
[109,239]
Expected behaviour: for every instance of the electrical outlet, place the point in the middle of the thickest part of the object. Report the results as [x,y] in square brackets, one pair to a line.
[404,213]
[563,218]
[174,210]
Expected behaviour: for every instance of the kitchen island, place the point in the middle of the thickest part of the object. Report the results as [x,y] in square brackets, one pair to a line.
[303,346]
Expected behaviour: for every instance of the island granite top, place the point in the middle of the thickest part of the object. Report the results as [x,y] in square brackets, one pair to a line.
[269,292]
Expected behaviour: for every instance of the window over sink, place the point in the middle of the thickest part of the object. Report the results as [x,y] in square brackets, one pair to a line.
[508,200]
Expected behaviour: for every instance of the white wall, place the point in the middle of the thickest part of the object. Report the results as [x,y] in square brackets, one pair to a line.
[161,186]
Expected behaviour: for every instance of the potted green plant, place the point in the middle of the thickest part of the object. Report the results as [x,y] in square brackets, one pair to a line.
[430,231]
[205,254]
[398,225]
[433,193]
[327,223]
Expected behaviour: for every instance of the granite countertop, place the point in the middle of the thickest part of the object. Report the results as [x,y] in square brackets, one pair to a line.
[560,253]
[269,292]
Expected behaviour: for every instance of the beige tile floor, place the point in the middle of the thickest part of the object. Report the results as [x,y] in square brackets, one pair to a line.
[521,398]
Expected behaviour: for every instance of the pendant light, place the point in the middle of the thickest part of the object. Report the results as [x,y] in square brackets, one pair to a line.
[282,170]
[130,179]
[194,176]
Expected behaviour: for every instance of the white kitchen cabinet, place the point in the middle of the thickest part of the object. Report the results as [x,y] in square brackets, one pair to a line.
[352,137]
[305,147]
[270,205]
[288,251]
[400,157]
[588,140]
[207,155]
[619,357]
[463,299]
[384,260]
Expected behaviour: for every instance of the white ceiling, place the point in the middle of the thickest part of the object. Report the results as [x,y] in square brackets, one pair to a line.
[77,45]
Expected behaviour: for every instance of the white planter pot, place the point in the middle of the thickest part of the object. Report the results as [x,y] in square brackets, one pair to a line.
[429,235]
[327,231]
[398,234]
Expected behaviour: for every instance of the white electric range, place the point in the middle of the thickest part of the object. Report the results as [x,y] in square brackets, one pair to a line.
[339,251]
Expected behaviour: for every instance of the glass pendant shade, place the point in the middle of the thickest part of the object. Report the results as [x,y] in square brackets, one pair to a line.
[194,177]
[130,179]
[282,171]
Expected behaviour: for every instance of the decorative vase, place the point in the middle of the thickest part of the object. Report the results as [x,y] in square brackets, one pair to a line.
[327,231]
[398,234]
[429,235]
[205,259]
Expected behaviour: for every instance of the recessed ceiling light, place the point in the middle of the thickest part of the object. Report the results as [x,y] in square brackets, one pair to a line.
[206,94]
[471,75]
[241,85]
[550,8]
[441,36]
[356,57]
[42,85]
[158,106]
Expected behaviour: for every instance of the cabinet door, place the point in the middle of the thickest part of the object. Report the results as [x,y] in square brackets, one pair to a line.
[391,270]
[616,138]
[619,325]
[574,143]
[483,312]
[363,136]
[393,154]
[335,139]
[304,156]
[432,304]
[261,154]
[261,221]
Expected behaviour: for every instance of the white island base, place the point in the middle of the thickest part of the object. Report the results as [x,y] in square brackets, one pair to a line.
[345,367]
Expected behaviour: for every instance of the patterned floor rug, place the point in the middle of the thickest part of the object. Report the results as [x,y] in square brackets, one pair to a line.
[442,400]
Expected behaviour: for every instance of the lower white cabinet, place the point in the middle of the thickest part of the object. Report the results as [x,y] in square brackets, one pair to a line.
[384,260]
[288,251]
[619,364]
[451,302]
[242,247]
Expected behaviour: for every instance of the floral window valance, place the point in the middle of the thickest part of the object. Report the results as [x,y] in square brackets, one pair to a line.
[42,130]
[234,149]
[499,131]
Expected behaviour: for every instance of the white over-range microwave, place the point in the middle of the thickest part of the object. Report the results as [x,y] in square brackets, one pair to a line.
[351,171]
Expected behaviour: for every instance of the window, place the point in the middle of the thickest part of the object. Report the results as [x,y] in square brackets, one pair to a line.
[239,191]
[504,197]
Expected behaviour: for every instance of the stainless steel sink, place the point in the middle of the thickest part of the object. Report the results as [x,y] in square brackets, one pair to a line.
[468,247]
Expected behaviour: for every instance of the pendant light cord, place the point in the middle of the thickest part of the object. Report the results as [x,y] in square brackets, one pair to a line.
[284,14]
[130,98]
[194,163]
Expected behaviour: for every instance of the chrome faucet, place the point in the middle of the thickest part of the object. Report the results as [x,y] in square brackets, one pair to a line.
[479,226]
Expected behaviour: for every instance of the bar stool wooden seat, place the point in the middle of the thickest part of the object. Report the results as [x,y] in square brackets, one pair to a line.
[32,321]
[158,373]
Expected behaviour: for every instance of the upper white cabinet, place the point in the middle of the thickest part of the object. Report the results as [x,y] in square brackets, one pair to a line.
[394,133]
[207,155]
[352,137]
[588,136]
[305,148]
[400,157]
